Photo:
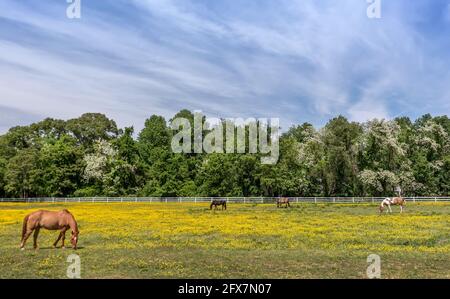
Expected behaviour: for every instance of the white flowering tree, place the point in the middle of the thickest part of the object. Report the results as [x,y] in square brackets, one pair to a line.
[98,163]
[382,157]
[108,170]
[430,151]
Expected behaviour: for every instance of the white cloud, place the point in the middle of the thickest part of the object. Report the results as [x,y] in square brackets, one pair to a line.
[367,110]
[299,60]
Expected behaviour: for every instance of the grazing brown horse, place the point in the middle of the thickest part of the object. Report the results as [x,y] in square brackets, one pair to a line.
[216,203]
[61,220]
[396,201]
[283,201]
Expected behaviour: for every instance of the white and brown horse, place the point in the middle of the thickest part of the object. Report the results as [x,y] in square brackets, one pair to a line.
[396,201]
[61,220]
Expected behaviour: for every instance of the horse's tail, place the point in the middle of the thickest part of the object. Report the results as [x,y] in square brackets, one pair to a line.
[24,226]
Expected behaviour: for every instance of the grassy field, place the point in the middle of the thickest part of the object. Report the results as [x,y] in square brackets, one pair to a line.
[247,241]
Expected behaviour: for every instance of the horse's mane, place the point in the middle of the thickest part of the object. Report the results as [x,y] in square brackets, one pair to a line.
[75,228]
[66,211]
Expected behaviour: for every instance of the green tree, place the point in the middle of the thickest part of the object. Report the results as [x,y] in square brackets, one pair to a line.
[91,127]
[22,174]
[49,128]
[155,133]
[340,139]
[2,177]
[127,147]
[217,177]
[61,166]
[90,156]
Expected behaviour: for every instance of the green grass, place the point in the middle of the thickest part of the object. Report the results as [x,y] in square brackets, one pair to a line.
[247,241]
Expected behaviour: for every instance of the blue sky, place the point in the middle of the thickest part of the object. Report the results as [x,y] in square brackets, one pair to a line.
[297,60]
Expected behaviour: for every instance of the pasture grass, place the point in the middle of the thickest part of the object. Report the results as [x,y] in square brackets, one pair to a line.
[187,240]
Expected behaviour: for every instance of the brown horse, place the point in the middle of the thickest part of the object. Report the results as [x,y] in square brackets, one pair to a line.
[283,201]
[396,201]
[216,203]
[61,220]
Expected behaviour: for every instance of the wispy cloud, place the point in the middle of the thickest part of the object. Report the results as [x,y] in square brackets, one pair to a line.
[297,60]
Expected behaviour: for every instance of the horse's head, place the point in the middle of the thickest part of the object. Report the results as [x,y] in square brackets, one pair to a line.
[400,200]
[74,239]
[403,204]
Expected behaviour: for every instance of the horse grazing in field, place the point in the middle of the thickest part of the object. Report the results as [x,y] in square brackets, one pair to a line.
[216,203]
[61,220]
[283,201]
[396,201]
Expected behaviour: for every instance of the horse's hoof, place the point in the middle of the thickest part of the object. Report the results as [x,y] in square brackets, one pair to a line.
[22,248]
[63,247]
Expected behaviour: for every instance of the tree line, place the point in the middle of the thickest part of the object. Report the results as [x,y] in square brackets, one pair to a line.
[91,156]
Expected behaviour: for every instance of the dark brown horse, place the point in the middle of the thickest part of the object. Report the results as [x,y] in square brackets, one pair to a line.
[62,220]
[215,203]
[283,201]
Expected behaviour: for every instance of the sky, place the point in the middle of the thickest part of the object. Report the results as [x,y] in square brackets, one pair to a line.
[297,60]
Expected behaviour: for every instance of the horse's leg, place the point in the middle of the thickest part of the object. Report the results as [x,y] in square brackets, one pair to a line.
[401,209]
[57,240]
[63,232]
[35,237]
[390,209]
[25,238]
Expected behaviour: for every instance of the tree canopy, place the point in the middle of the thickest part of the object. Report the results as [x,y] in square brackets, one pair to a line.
[91,156]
